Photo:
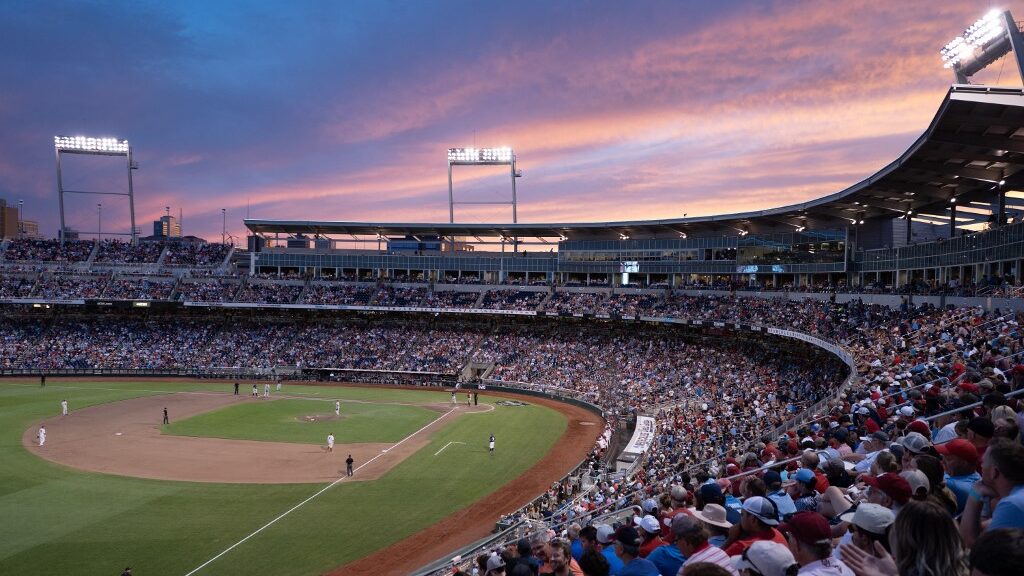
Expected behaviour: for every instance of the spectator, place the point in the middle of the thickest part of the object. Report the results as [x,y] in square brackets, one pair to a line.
[691,540]
[766,559]
[1002,477]
[627,548]
[810,541]
[998,552]
[757,522]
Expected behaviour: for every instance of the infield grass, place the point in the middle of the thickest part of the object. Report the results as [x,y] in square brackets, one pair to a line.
[57,520]
[285,421]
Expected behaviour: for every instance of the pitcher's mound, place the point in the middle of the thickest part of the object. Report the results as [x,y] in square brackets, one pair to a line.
[321,418]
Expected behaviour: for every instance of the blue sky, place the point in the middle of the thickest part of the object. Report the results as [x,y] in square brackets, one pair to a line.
[344,110]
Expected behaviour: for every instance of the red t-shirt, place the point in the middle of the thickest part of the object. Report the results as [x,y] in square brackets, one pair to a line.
[771,534]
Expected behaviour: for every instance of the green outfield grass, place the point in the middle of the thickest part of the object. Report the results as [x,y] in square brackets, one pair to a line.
[62,521]
[283,421]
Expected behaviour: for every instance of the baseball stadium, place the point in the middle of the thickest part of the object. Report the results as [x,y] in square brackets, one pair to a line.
[750,392]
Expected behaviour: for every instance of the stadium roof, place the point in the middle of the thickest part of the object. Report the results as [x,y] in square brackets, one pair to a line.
[974,142]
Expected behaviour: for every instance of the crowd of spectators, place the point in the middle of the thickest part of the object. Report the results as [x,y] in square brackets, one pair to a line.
[70,286]
[207,291]
[17,286]
[921,452]
[338,294]
[29,249]
[575,302]
[128,288]
[192,254]
[446,299]
[410,297]
[118,252]
[513,299]
[270,293]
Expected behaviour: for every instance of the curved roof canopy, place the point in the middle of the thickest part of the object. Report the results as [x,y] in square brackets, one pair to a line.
[974,142]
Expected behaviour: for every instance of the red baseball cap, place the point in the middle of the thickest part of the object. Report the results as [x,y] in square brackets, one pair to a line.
[960,448]
[893,485]
[808,527]
[921,427]
[970,387]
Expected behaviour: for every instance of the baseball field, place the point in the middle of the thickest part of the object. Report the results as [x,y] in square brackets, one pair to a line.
[244,485]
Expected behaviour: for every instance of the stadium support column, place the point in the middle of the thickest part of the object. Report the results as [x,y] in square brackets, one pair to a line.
[910,225]
[60,199]
[1016,41]
[131,200]
[451,199]
[952,220]
[1001,214]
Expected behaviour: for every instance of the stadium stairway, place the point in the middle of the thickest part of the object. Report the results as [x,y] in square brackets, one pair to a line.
[223,266]
[241,286]
[173,296]
[163,257]
[543,303]
[305,288]
[480,300]
[92,254]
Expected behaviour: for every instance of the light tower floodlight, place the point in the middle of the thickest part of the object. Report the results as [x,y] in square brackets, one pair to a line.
[503,156]
[95,147]
[991,37]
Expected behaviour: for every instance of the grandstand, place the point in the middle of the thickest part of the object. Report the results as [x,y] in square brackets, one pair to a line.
[801,340]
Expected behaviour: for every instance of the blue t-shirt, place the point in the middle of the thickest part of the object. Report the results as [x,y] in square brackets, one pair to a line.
[577,549]
[667,558]
[961,486]
[784,502]
[640,567]
[614,564]
[1009,513]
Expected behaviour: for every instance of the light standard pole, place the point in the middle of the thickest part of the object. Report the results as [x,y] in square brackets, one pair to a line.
[21,218]
[224,225]
[99,220]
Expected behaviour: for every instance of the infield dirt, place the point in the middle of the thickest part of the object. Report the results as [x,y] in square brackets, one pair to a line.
[124,438]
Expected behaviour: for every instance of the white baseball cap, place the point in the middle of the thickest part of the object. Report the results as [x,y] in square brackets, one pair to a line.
[766,558]
[874,518]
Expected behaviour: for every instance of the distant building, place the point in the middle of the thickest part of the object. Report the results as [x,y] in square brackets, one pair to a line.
[29,229]
[8,220]
[167,227]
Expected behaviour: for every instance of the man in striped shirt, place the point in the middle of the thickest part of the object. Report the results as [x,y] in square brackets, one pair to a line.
[692,541]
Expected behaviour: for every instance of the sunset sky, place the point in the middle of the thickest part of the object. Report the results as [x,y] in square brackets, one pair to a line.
[344,110]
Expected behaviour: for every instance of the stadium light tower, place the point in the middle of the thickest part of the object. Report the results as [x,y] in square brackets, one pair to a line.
[482,157]
[95,147]
[991,37]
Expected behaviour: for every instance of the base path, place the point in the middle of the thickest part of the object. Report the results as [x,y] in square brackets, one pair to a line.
[124,438]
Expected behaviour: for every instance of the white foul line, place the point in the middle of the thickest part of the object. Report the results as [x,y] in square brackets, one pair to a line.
[322,490]
[445,446]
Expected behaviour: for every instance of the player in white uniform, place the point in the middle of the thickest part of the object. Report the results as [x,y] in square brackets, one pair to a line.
[63,407]
[490,445]
[330,442]
[42,435]
[278,383]
[337,408]
[266,390]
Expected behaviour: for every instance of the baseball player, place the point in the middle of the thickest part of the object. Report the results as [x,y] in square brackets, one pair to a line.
[266,390]
[337,408]
[469,399]
[166,420]
[278,383]
[255,391]
[454,401]
[348,465]
[42,435]
[63,407]
[236,388]
[330,442]
[490,445]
